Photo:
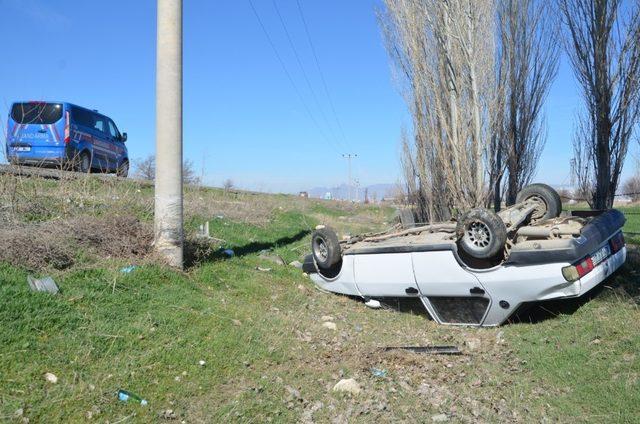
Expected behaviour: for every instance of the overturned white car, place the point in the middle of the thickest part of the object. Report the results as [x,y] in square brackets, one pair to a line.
[481,268]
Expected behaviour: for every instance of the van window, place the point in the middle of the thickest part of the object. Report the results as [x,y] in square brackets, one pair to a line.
[100,125]
[88,119]
[36,113]
[113,131]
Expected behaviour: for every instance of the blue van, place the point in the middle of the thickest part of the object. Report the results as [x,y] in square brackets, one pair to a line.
[65,135]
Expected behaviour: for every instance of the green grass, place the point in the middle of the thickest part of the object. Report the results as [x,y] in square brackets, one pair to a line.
[631,226]
[261,336]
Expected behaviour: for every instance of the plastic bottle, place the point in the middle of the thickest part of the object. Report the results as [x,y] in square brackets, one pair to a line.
[125,396]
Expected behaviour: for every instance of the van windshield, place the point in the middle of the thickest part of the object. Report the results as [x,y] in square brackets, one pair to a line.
[36,113]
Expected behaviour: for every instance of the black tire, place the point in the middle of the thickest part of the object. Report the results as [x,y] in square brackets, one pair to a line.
[325,248]
[406,218]
[481,233]
[549,198]
[123,170]
[84,163]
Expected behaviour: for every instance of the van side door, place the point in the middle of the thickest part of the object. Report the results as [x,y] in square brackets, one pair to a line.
[116,140]
[103,149]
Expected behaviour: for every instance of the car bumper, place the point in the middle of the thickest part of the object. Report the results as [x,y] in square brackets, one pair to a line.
[602,271]
[49,155]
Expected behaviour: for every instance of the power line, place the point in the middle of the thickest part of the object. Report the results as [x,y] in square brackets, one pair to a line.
[302,69]
[289,77]
[349,157]
[324,82]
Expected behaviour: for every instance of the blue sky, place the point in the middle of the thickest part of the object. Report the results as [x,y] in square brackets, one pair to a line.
[241,113]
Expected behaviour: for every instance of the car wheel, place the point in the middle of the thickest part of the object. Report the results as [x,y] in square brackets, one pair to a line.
[123,169]
[549,199]
[481,233]
[325,248]
[84,163]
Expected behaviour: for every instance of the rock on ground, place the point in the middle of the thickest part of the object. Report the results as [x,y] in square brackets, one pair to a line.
[330,325]
[348,385]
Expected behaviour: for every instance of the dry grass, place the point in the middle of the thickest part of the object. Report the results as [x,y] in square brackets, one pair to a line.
[60,243]
[48,223]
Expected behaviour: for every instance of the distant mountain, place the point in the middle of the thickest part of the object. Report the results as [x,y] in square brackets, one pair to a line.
[341,192]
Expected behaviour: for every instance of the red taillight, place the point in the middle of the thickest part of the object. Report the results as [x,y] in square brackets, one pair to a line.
[67,130]
[584,267]
[616,242]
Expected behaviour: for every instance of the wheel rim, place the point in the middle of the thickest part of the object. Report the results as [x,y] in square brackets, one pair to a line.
[321,250]
[477,236]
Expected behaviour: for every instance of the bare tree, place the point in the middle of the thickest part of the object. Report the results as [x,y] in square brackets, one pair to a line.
[189,175]
[443,52]
[631,188]
[227,184]
[145,169]
[602,43]
[528,62]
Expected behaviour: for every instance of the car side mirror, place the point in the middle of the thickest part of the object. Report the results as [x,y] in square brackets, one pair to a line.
[123,137]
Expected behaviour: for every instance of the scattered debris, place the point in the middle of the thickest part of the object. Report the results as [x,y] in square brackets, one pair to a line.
[95,411]
[202,363]
[293,394]
[236,322]
[167,414]
[203,230]
[348,385]
[296,264]
[373,304]
[128,269]
[259,268]
[126,396]
[330,325]
[51,378]
[268,256]
[45,284]
[229,253]
[438,350]
[378,372]
[307,415]
[440,418]
[473,343]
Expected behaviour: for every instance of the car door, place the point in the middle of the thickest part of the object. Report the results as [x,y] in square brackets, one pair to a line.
[452,294]
[116,141]
[103,149]
[385,275]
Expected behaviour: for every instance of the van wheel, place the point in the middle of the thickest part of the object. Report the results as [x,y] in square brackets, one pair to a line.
[84,163]
[123,169]
[325,247]
[481,233]
[548,198]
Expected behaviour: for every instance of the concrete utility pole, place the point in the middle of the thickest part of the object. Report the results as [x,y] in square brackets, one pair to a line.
[168,189]
[348,157]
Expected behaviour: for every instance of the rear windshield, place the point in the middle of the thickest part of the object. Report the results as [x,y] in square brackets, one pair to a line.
[36,113]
